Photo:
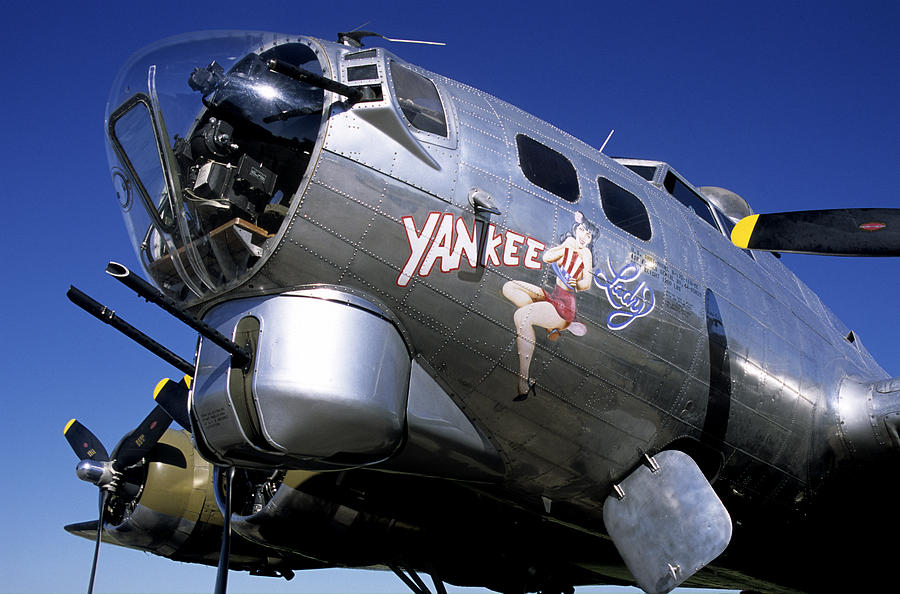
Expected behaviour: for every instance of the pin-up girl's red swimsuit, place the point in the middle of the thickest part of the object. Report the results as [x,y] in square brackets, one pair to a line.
[563,299]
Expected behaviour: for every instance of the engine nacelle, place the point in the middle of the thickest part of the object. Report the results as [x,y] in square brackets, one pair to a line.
[318,526]
[167,507]
[164,502]
[868,416]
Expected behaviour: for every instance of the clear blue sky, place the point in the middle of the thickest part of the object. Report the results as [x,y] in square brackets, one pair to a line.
[792,105]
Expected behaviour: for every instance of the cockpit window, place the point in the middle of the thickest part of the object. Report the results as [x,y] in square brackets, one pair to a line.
[547,169]
[419,100]
[624,209]
[681,192]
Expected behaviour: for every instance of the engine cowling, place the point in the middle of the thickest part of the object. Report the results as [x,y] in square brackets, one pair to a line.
[167,506]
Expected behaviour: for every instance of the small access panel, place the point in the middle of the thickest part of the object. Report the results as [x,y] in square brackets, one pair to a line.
[666,521]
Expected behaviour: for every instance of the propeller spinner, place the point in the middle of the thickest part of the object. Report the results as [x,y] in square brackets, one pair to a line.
[97,467]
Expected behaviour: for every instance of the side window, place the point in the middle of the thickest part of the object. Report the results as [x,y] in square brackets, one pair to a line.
[646,171]
[419,100]
[686,196]
[624,209]
[547,169]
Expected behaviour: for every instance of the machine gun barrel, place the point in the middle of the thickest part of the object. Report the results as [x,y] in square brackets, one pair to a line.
[352,93]
[108,316]
[240,355]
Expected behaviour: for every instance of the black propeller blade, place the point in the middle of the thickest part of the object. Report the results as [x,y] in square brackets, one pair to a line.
[96,467]
[224,476]
[173,398]
[839,232]
[136,444]
[85,443]
[104,499]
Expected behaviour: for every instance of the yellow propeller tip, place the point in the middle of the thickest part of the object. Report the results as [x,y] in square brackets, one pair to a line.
[187,381]
[69,424]
[159,387]
[740,235]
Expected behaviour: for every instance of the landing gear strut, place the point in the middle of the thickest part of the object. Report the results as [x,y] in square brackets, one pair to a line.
[415,583]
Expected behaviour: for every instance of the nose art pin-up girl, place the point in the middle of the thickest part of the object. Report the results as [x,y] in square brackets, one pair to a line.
[554,311]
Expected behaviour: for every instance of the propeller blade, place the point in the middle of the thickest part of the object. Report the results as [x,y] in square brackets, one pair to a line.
[96,467]
[839,232]
[136,444]
[82,528]
[104,497]
[173,398]
[224,476]
[85,443]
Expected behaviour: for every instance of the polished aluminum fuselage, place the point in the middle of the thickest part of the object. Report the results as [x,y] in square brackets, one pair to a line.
[601,399]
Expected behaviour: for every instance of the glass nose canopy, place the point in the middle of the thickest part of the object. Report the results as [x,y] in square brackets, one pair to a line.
[207,148]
